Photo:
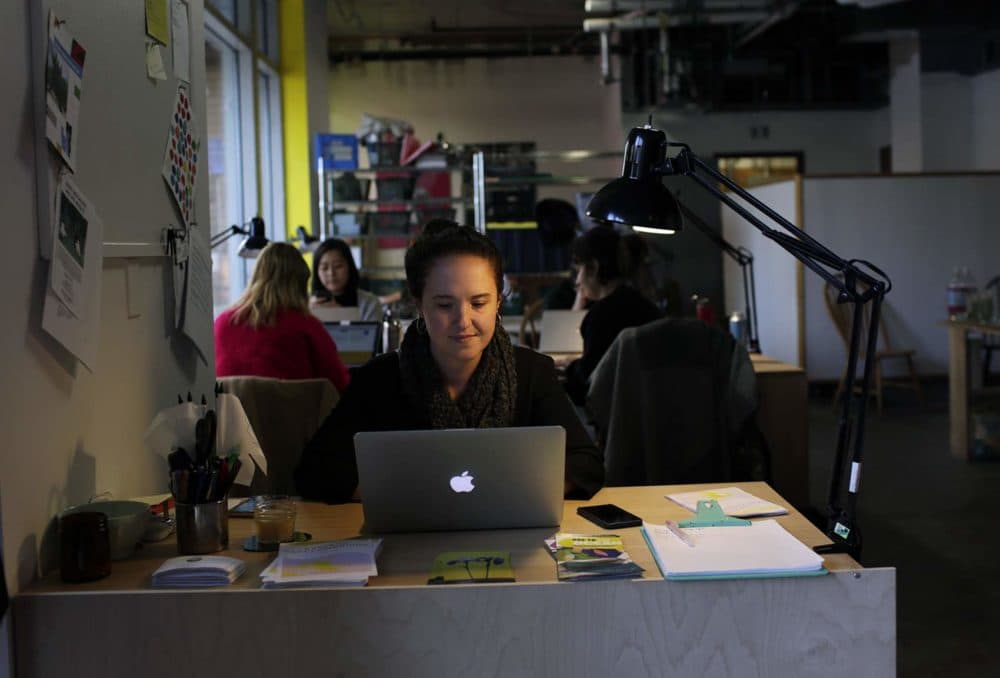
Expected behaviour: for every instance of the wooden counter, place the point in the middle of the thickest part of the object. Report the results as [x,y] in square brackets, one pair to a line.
[840,624]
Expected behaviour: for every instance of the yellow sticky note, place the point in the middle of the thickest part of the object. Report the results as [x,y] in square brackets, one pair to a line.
[158,21]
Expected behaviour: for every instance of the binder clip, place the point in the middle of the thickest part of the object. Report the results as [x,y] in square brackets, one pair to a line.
[708,513]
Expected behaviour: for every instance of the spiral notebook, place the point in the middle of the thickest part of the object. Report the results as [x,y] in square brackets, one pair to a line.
[761,549]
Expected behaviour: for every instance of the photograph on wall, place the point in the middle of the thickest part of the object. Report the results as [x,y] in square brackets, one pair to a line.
[63,87]
[180,157]
[69,250]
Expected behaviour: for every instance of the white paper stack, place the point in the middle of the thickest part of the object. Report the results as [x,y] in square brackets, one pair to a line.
[761,549]
[347,562]
[733,501]
[198,571]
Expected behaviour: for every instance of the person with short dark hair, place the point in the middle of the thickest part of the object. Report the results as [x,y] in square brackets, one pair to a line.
[605,262]
[456,368]
[335,280]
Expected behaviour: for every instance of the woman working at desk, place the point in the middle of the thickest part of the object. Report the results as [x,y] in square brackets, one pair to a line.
[456,368]
[269,332]
[604,261]
[335,281]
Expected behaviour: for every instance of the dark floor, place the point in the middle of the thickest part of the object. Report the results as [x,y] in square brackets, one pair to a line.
[936,520]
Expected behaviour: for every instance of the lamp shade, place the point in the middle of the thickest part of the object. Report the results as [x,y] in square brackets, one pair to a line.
[638,198]
[256,241]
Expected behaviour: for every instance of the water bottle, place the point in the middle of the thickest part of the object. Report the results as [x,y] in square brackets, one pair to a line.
[958,295]
[738,327]
[391,331]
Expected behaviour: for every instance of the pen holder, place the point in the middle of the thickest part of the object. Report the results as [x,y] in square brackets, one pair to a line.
[202,528]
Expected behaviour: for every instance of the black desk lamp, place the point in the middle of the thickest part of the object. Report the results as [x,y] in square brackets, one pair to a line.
[251,247]
[743,257]
[639,199]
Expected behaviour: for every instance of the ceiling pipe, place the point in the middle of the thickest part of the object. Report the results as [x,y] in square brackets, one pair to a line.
[613,6]
[783,13]
[644,22]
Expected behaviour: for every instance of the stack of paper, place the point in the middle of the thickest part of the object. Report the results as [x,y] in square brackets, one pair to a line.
[734,502]
[333,563]
[582,556]
[198,571]
[761,549]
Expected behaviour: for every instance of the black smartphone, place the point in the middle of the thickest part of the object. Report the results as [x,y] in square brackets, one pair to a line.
[609,516]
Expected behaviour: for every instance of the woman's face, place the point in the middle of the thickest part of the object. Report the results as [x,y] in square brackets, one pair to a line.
[586,280]
[334,272]
[459,306]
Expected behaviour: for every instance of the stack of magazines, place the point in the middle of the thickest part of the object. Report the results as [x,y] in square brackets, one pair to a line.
[197,571]
[582,556]
[347,562]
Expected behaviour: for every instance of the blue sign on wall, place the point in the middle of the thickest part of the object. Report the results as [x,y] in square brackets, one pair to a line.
[337,151]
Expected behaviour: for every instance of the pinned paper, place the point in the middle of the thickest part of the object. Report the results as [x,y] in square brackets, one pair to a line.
[182,40]
[154,61]
[157,21]
[63,87]
[77,257]
[180,157]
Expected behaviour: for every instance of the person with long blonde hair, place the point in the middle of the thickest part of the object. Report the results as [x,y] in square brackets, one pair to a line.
[269,331]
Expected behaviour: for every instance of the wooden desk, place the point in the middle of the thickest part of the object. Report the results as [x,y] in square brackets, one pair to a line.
[958,382]
[835,625]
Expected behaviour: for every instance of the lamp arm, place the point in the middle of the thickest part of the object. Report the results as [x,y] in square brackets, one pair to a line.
[217,239]
[744,258]
[842,527]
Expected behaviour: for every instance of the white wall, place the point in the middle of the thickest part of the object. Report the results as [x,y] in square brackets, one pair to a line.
[69,433]
[905,112]
[916,229]
[832,141]
[986,121]
[776,273]
[948,132]
[557,102]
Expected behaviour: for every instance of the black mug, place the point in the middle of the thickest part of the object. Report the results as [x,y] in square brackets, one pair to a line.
[84,546]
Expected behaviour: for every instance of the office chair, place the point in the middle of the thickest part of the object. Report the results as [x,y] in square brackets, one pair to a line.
[674,401]
[284,415]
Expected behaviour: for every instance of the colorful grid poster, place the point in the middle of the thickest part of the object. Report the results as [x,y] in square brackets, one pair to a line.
[180,158]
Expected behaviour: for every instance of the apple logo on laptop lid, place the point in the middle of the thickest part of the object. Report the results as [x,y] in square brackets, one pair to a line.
[462,483]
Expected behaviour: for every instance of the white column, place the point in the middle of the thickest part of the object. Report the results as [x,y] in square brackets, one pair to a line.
[905,103]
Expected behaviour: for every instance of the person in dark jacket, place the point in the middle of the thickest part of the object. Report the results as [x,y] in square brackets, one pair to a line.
[456,368]
[606,263]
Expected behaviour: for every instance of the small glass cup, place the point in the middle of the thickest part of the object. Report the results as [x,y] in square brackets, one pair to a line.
[274,518]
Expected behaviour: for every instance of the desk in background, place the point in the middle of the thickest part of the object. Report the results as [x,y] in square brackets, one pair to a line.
[959,387]
[835,625]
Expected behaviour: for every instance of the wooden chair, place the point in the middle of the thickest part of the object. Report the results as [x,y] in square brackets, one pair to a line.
[841,315]
[284,415]
[528,335]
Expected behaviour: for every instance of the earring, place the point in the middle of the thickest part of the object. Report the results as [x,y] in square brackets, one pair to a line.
[499,318]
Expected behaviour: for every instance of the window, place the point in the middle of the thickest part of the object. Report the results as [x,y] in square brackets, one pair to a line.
[245,160]
[754,169]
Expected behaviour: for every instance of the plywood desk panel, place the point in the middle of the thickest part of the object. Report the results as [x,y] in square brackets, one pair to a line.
[840,624]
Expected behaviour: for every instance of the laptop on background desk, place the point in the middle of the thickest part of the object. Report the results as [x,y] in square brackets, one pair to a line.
[561,332]
[461,479]
[356,342]
[334,314]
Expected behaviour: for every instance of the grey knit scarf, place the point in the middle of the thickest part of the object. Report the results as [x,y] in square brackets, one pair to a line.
[486,402]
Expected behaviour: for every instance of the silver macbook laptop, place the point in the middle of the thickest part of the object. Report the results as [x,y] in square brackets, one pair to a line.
[461,479]
[356,342]
[561,332]
[333,314]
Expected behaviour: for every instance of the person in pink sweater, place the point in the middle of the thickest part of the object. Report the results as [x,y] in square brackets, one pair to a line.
[269,331]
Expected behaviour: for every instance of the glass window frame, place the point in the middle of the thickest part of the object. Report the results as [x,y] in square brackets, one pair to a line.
[258,146]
